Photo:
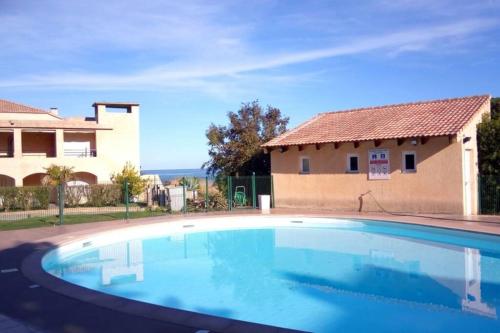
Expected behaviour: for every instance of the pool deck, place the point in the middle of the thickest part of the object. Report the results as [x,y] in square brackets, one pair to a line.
[26,306]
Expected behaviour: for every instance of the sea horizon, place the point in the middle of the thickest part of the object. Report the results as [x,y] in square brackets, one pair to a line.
[169,174]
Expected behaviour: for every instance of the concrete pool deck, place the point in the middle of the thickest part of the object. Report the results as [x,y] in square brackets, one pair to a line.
[46,310]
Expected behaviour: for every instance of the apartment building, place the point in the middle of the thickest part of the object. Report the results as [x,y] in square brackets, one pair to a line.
[31,139]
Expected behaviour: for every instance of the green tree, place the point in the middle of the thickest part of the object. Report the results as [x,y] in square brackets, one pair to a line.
[488,136]
[58,174]
[236,148]
[130,175]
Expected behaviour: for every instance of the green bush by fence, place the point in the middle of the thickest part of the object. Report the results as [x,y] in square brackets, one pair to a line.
[489,194]
[24,198]
[105,195]
[100,195]
[22,207]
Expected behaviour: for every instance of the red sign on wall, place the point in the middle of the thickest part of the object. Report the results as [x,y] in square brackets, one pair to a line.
[378,164]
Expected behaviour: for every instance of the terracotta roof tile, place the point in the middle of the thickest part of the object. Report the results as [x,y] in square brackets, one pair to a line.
[11,107]
[429,118]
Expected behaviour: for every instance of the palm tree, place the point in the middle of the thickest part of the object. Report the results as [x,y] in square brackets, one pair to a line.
[191,183]
[59,174]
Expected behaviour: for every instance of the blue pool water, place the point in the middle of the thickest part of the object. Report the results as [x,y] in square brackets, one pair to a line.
[321,277]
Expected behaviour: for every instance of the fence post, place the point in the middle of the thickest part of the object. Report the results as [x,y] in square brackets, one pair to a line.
[229,190]
[184,200]
[254,192]
[126,201]
[60,190]
[272,192]
[479,195]
[206,193]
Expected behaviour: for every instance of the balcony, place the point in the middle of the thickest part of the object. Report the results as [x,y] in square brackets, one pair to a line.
[80,153]
[38,144]
[79,144]
[46,144]
[6,144]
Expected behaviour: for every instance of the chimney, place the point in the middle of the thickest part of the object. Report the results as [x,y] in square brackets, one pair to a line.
[54,111]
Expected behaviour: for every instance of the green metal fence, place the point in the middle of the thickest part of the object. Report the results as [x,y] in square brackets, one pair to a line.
[489,194]
[244,191]
[23,207]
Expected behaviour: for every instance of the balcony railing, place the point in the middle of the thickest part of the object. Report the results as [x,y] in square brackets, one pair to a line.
[80,152]
[38,154]
[6,153]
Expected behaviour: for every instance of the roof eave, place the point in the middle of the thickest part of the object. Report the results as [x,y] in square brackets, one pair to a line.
[277,145]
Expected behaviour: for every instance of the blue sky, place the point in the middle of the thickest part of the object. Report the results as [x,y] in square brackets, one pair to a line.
[190,62]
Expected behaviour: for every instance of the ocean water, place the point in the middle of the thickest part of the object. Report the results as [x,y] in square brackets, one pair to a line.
[360,277]
[169,174]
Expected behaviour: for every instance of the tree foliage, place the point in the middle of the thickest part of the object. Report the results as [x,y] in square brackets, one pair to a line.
[236,148]
[130,175]
[58,174]
[488,135]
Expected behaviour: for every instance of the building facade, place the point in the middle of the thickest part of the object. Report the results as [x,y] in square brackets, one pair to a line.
[32,139]
[415,157]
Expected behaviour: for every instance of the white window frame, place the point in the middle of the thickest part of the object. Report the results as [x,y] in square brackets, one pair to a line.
[301,171]
[348,164]
[403,161]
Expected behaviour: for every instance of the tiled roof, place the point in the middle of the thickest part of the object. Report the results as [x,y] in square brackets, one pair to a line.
[11,107]
[429,118]
[47,123]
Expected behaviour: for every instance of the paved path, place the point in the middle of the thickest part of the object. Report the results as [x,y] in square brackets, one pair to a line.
[47,311]
[9,325]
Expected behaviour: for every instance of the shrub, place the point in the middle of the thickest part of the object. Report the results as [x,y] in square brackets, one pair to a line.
[130,175]
[8,197]
[41,197]
[104,195]
[75,195]
[24,198]
[217,201]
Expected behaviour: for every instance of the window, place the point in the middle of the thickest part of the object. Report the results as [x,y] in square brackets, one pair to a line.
[305,166]
[352,163]
[409,161]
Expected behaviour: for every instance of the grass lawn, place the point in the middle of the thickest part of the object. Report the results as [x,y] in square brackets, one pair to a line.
[44,221]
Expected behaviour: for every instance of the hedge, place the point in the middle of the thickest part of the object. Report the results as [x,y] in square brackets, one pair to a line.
[93,195]
[24,198]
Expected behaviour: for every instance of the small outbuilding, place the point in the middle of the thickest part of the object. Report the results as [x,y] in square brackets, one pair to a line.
[416,157]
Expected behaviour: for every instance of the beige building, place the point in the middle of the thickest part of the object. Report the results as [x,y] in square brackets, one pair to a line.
[414,157]
[31,139]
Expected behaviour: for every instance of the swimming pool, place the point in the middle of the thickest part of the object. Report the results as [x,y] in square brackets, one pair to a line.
[312,274]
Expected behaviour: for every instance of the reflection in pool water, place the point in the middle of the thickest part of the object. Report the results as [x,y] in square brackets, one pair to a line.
[376,277]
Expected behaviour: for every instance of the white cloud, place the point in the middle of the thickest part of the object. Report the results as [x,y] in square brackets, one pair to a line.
[61,28]
[218,48]
[200,73]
